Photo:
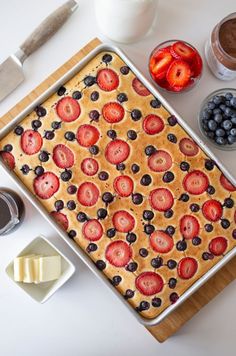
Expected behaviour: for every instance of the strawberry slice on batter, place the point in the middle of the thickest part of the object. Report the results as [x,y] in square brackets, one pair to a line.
[161,242]
[92,230]
[89,166]
[226,184]
[88,194]
[123,185]
[63,156]
[140,88]
[218,245]
[187,267]
[188,147]
[61,219]
[118,253]
[31,142]
[46,185]
[87,135]
[149,283]
[212,210]
[161,199]
[68,109]
[123,221]
[113,112]
[8,159]
[117,151]
[196,182]
[107,79]
[160,161]
[153,124]
[189,227]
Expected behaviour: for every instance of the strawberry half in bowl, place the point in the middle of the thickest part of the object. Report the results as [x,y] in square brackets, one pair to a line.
[175,66]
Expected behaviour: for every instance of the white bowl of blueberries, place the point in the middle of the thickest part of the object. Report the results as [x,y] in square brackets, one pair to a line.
[217,118]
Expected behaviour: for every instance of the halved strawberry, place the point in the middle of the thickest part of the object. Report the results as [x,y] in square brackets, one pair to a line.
[117,151]
[139,87]
[178,74]
[92,230]
[149,283]
[107,79]
[123,185]
[8,159]
[187,267]
[161,199]
[188,147]
[196,182]
[113,112]
[88,194]
[226,184]
[89,166]
[46,185]
[31,142]
[153,124]
[181,50]
[68,109]
[159,53]
[123,221]
[161,242]
[218,245]
[61,219]
[196,66]
[63,156]
[87,135]
[212,210]
[160,161]
[189,227]
[118,253]
[163,59]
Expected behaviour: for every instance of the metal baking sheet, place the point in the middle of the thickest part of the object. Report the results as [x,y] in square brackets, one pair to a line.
[73,245]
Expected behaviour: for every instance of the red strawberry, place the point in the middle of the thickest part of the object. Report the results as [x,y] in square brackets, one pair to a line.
[161,242]
[161,199]
[161,52]
[218,245]
[117,151]
[68,109]
[188,147]
[118,253]
[212,210]
[226,184]
[153,124]
[63,156]
[187,267]
[123,221]
[31,142]
[61,219]
[107,79]
[88,194]
[189,227]
[123,185]
[140,88]
[87,135]
[113,112]
[160,161]
[149,283]
[89,166]
[163,59]
[195,182]
[8,159]
[178,74]
[196,66]
[181,50]
[46,185]
[92,230]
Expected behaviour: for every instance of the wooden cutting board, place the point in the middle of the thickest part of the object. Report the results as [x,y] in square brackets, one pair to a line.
[209,290]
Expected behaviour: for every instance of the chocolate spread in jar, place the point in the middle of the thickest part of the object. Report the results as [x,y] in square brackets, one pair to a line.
[227,37]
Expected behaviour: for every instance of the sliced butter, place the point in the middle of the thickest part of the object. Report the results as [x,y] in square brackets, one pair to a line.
[49,268]
[19,269]
[28,269]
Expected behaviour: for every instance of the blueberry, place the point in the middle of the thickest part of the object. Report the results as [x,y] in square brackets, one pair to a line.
[137,198]
[107,197]
[59,205]
[131,237]
[194,207]
[216,111]
[168,177]
[102,213]
[101,265]
[111,134]
[120,166]
[171,264]
[39,170]
[72,234]
[231,139]
[131,267]
[61,91]
[116,280]
[172,283]
[107,58]
[19,130]
[228,203]
[184,166]
[156,302]
[111,232]
[222,107]
[205,114]
[212,125]
[234,234]
[207,256]
[66,176]
[208,227]
[143,252]
[81,217]
[149,150]
[91,247]
[25,169]
[225,223]
[72,189]
[216,99]
[174,297]
[135,168]
[56,125]
[77,95]
[144,305]
[184,197]
[49,135]
[148,215]
[136,114]
[196,241]
[124,70]
[211,190]
[36,124]
[155,103]
[94,150]
[220,141]
[71,205]
[168,213]
[181,245]
[170,230]
[94,95]
[172,138]
[233,102]
[227,124]
[129,294]
[103,175]
[220,132]
[146,180]
[233,132]
[211,105]
[172,121]
[228,112]
[69,136]
[132,135]
[40,111]
[44,156]
[209,164]
[122,97]
[228,96]
[148,229]
[233,120]
[94,115]
[8,148]
[157,262]
[89,80]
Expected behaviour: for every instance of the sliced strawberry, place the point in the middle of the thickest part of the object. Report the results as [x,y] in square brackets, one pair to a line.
[187,267]
[161,242]
[195,182]
[226,184]
[89,166]
[218,245]
[149,283]
[87,135]
[107,79]
[68,109]
[162,61]
[181,50]
[212,210]
[123,221]
[123,185]
[178,74]
[139,88]
[161,199]
[118,253]
[117,151]
[196,66]
[153,124]
[188,147]
[92,230]
[63,156]
[31,142]
[113,112]
[161,52]
[46,185]
[88,194]
[8,159]
[61,219]
[160,161]
[189,227]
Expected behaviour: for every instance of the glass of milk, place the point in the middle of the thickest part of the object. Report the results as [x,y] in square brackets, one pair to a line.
[125,20]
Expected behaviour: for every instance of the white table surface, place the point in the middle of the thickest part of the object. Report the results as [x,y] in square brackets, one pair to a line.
[84,318]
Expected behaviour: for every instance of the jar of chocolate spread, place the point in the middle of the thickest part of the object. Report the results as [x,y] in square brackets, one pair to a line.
[220,49]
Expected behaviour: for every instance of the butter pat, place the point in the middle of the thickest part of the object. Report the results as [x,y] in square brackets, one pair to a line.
[19,269]
[29,269]
[49,268]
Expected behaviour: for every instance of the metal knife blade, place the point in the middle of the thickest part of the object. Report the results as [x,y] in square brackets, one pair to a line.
[11,75]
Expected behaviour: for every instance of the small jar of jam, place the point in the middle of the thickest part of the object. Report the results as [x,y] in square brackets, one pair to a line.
[220,49]
[11,210]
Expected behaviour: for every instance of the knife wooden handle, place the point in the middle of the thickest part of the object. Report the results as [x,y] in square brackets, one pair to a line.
[48,27]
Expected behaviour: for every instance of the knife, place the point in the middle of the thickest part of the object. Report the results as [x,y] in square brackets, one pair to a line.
[11,70]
